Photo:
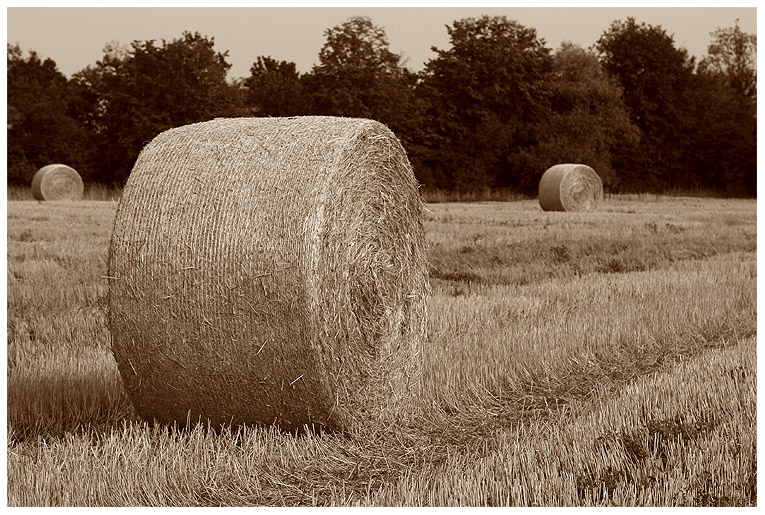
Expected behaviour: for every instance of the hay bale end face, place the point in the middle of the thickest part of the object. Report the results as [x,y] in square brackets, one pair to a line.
[57,182]
[269,270]
[570,187]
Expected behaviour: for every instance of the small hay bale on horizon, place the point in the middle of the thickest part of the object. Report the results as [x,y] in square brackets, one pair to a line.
[270,271]
[570,187]
[57,182]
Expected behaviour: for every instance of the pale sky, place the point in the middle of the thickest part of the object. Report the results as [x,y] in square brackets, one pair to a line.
[74,37]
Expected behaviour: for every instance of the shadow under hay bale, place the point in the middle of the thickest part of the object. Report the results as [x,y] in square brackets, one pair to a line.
[57,182]
[270,270]
[570,187]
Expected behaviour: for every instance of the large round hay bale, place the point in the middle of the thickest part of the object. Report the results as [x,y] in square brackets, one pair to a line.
[57,182]
[270,270]
[570,187]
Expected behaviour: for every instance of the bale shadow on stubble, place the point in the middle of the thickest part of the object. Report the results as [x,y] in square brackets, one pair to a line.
[45,407]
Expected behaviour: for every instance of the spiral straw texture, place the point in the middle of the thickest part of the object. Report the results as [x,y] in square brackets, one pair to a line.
[270,270]
[57,182]
[570,187]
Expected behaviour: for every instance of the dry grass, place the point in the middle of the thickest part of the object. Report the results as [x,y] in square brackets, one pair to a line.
[92,191]
[437,196]
[684,436]
[577,386]
[517,243]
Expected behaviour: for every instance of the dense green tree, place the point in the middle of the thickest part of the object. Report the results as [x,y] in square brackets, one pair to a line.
[41,129]
[138,92]
[485,95]
[655,76]
[275,88]
[588,118]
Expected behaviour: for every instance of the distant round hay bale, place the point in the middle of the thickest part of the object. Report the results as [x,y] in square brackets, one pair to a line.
[57,182]
[570,187]
[270,270]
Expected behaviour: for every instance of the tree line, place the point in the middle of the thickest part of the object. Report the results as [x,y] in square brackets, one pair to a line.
[494,109]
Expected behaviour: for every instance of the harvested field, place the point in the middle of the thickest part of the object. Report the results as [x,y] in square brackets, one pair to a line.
[572,359]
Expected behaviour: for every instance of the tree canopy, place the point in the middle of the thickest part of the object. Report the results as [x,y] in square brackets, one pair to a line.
[494,108]
[589,121]
[41,129]
[654,75]
[724,102]
[274,88]
[484,97]
[732,54]
[357,74]
[146,89]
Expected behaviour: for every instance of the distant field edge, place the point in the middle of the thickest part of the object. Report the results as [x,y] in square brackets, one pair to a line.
[98,191]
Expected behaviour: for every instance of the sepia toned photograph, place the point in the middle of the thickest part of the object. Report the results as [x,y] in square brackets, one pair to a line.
[423,255]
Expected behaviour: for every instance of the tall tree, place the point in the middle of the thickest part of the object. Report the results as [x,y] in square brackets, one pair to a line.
[733,55]
[485,95]
[723,100]
[589,120]
[41,129]
[655,76]
[358,75]
[275,88]
[149,88]
[355,67]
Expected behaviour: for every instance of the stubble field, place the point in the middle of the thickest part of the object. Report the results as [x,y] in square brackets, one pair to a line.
[573,359]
